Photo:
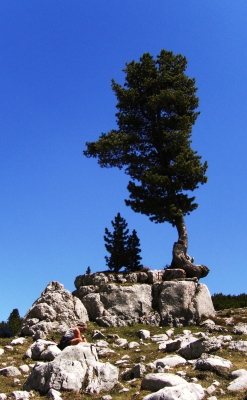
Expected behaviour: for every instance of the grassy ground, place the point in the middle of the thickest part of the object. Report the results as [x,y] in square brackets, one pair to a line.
[149,351]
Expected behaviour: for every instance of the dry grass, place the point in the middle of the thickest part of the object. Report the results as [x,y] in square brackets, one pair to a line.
[151,353]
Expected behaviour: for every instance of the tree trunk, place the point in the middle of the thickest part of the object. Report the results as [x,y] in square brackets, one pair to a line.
[180,258]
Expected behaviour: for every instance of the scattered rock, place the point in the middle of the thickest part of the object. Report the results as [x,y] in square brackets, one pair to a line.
[21,395]
[155,382]
[171,361]
[240,381]
[240,328]
[143,334]
[185,391]
[138,371]
[54,395]
[18,341]
[238,345]
[208,362]
[10,371]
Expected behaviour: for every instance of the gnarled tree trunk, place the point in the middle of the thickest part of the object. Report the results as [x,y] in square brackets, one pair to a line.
[180,258]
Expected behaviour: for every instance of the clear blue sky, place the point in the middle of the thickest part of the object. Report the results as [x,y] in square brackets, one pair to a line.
[57,61]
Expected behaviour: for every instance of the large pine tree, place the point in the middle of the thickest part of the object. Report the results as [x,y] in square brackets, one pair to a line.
[156,112]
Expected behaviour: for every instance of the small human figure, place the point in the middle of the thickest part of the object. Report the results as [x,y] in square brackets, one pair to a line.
[73,336]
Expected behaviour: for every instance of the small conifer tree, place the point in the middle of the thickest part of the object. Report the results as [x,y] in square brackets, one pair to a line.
[116,244]
[14,321]
[88,271]
[133,251]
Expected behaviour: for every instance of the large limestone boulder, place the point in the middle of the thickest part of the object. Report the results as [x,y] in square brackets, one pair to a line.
[183,302]
[73,367]
[56,309]
[116,305]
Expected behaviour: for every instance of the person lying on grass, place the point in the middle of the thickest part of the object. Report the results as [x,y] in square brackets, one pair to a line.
[73,336]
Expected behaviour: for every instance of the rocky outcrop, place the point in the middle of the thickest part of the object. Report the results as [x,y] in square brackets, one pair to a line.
[175,302]
[56,309]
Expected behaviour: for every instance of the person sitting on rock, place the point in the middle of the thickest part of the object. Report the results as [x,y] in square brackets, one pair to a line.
[73,336]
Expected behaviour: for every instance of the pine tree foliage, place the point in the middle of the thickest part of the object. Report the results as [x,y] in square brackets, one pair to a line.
[133,252]
[88,270]
[223,301]
[156,112]
[116,244]
[14,321]
[124,249]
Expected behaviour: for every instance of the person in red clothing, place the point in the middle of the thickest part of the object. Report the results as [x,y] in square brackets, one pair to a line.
[73,336]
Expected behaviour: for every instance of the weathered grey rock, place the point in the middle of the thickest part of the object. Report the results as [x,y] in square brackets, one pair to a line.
[142,277]
[155,382]
[170,332]
[240,381]
[9,348]
[70,369]
[212,344]
[154,275]
[238,345]
[1,351]
[93,305]
[24,368]
[138,370]
[185,391]
[44,350]
[170,345]
[10,371]
[101,343]
[211,389]
[84,290]
[143,334]
[105,352]
[3,396]
[225,339]
[170,361]
[240,328]
[184,302]
[95,279]
[176,273]
[196,348]
[21,395]
[121,342]
[97,334]
[133,278]
[56,309]
[159,338]
[132,345]
[54,395]
[18,341]
[209,362]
